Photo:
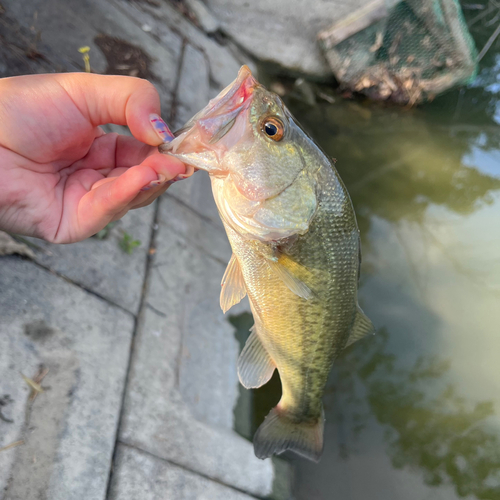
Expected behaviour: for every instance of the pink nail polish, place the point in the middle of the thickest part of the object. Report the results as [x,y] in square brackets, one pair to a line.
[161,128]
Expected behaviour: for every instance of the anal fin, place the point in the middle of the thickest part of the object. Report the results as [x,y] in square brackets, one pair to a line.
[233,285]
[361,328]
[255,366]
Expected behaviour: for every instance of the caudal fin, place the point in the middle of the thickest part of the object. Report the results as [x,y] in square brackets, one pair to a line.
[279,433]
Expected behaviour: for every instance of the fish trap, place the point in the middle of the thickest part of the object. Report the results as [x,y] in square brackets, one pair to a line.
[404,51]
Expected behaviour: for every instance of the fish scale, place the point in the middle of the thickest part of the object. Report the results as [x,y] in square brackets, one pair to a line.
[319,326]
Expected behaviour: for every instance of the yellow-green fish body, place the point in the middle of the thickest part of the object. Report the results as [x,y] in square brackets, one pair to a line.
[296,252]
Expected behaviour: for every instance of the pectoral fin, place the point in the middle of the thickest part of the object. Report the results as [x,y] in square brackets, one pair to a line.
[255,366]
[284,267]
[294,284]
[233,285]
[362,326]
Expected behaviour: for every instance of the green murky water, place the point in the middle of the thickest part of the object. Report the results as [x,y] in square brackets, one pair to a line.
[414,412]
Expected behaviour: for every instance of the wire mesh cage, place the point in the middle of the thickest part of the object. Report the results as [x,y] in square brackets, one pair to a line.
[404,51]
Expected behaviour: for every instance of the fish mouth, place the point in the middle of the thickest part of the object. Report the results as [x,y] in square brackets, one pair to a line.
[205,130]
[227,105]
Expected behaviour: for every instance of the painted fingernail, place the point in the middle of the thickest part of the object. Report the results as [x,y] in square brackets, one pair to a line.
[180,177]
[161,128]
[154,184]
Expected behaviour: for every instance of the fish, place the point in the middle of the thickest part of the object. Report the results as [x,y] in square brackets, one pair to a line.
[296,252]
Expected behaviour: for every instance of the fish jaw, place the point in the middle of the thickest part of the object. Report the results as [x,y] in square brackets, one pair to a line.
[206,138]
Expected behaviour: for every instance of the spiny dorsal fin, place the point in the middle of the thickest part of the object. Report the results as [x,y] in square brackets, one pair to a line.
[233,285]
[255,366]
[294,284]
[362,326]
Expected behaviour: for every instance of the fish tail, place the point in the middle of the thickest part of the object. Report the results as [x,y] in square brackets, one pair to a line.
[279,433]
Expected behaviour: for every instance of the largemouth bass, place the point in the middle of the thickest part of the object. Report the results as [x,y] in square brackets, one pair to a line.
[296,252]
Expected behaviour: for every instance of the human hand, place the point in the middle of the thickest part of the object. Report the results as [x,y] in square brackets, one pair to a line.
[61,177]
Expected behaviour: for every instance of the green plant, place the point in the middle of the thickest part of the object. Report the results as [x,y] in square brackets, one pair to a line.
[127,243]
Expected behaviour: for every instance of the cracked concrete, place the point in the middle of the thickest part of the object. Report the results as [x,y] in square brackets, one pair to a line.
[141,385]
[68,431]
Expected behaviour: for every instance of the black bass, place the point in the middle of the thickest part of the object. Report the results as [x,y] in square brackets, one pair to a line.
[296,252]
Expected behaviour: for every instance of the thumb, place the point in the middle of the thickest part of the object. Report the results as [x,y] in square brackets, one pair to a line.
[122,100]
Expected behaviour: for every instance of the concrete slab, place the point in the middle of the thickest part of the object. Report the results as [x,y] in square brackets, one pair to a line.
[68,431]
[275,33]
[168,36]
[201,232]
[102,265]
[193,91]
[196,193]
[224,60]
[138,475]
[19,55]
[204,18]
[183,383]
[66,25]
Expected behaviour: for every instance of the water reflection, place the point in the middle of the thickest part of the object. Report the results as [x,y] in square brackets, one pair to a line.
[413,412]
[418,403]
[428,423]
[396,163]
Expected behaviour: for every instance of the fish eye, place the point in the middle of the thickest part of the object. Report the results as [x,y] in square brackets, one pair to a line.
[274,129]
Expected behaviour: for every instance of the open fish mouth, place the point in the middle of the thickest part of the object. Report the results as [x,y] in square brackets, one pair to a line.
[229,103]
[214,122]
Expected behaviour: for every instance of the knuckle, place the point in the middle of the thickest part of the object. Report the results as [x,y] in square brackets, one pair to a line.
[147,86]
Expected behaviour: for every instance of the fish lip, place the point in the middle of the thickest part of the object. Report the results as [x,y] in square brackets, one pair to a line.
[231,101]
[223,111]
[236,94]
[214,121]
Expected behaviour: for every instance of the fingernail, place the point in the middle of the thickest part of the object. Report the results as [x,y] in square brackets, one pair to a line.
[153,184]
[180,177]
[161,128]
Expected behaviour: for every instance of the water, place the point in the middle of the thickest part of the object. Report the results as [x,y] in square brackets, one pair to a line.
[414,412]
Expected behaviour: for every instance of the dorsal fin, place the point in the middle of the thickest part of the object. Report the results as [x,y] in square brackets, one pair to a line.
[233,285]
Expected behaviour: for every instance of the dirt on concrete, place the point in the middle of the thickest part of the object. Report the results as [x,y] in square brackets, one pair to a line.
[123,58]
[20,49]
